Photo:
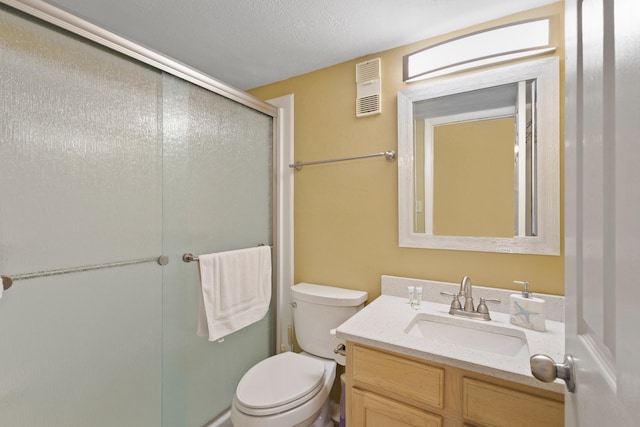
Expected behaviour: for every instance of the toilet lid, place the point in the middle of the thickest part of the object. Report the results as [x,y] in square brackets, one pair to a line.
[279,380]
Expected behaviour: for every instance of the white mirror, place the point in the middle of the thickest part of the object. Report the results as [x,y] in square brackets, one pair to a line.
[478,161]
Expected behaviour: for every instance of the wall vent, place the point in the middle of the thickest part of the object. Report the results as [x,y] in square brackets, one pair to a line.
[368,88]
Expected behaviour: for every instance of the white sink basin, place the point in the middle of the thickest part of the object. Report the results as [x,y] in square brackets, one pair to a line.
[470,334]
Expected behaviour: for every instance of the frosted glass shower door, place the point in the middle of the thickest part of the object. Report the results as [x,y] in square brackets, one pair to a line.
[217,197]
[80,185]
[105,160]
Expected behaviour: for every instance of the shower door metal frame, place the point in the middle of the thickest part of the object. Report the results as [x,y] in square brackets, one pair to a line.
[72,23]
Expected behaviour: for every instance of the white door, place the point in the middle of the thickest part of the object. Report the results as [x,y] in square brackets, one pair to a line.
[602,211]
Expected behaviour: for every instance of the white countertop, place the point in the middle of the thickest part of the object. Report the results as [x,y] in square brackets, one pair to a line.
[384,321]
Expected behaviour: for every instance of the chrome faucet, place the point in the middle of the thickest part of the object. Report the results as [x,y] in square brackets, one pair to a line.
[466,291]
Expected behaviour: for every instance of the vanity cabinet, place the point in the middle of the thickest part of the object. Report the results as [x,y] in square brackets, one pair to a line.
[389,389]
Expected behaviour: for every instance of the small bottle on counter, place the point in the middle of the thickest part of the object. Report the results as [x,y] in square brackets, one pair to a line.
[411,291]
[418,298]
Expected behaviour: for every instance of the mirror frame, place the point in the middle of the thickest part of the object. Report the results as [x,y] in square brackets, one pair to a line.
[547,242]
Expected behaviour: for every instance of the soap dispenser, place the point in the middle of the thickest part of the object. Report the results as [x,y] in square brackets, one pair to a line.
[526,310]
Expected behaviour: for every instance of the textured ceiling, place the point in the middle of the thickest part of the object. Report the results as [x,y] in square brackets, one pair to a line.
[250,43]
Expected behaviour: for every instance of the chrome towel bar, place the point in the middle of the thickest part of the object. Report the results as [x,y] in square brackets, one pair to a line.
[7,281]
[389,155]
[188,257]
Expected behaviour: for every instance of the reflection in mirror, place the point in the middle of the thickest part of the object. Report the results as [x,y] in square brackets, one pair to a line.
[457,135]
[478,161]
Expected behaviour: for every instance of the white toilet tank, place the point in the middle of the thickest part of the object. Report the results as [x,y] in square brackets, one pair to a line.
[317,309]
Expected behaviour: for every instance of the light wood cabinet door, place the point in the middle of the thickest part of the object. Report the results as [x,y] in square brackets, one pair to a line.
[372,410]
[491,405]
[402,379]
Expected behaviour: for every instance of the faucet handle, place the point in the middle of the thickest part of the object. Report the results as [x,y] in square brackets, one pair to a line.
[455,304]
[482,306]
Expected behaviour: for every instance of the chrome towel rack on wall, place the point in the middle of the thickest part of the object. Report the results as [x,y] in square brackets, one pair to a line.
[389,155]
[189,257]
[7,281]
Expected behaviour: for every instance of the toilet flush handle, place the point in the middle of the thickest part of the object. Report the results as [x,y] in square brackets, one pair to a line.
[340,349]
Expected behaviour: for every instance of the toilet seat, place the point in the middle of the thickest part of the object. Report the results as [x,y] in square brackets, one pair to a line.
[279,383]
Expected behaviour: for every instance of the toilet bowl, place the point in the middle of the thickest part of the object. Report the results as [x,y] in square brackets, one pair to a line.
[292,389]
[289,389]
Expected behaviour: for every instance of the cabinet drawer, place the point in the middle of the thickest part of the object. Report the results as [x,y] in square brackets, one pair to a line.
[397,377]
[371,410]
[492,405]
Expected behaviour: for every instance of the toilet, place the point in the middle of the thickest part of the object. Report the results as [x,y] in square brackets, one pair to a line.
[292,389]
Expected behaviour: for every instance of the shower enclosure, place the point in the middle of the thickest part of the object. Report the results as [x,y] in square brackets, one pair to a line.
[108,163]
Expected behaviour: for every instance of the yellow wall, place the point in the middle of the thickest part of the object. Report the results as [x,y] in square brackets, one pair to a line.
[346,214]
[469,198]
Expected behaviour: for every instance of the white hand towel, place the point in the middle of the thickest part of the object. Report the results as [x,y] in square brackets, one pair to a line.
[236,290]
